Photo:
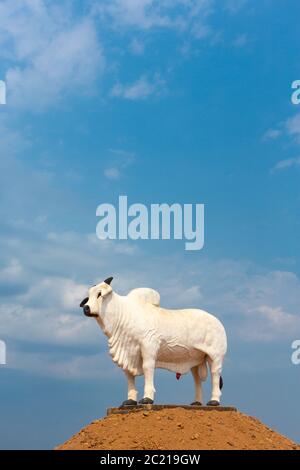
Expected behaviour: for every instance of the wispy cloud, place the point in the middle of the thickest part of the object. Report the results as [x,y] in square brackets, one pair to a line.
[140,89]
[289,129]
[112,173]
[292,127]
[119,160]
[272,134]
[184,16]
[63,365]
[149,14]
[285,164]
[142,14]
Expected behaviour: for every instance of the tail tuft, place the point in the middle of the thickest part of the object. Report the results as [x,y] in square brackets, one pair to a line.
[221,382]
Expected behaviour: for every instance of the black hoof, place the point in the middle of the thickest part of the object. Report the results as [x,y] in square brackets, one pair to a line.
[196,403]
[146,401]
[213,403]
[129,403]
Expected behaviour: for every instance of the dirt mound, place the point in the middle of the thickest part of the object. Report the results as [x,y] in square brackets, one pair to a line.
[177,428]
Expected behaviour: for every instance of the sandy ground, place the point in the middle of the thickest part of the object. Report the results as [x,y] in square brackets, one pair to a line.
[178,429]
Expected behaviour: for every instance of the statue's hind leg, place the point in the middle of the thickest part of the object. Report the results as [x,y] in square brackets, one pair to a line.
[216,380]
[198,386]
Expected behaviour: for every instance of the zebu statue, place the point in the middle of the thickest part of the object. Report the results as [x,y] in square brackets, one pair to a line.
[143,336]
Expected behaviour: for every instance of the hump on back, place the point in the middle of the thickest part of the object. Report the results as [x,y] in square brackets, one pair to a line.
[144,295]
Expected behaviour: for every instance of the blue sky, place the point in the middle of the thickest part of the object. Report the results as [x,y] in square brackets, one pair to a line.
[186,101]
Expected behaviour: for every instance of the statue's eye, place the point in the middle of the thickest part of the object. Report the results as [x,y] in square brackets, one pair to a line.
[98,295]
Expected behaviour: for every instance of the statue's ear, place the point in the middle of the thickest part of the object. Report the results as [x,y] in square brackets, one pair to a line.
[108,280]
[105,290]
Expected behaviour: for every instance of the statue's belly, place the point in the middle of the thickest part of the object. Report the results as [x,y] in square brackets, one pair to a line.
[179,354]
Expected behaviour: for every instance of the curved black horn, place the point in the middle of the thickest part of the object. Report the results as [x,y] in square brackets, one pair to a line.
[108,280]
[84,302]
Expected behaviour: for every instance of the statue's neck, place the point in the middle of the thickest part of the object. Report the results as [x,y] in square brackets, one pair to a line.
[110,312]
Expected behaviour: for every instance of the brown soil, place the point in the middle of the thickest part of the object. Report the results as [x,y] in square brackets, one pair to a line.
[177,429]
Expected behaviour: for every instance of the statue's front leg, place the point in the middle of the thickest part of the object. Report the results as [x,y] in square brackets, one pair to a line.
[132,391]
[149,390]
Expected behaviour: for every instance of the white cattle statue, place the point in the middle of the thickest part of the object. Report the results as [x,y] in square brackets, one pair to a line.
[142,336]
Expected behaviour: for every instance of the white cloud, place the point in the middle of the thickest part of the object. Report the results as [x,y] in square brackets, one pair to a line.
[179,15]
[242,296]
[50,52]
[46,312]
[45,309]
[272,134]
[63,366]
[293,127]
[119,160]
[142,14]
[270,305]
[112,173]
[183,16]
[270,323]
[141,89]
[288,129]
[285,164]
[277,317]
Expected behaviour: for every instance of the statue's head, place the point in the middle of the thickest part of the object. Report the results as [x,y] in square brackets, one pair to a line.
[91,305]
